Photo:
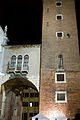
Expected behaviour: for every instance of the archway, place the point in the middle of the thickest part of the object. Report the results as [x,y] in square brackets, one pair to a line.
[20,100]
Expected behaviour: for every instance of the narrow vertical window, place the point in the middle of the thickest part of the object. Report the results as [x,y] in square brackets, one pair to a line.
[26,61]
[15,112]
[15,99]
[13,61]
[47,10]
[31,104]
[60,61]
[19,62]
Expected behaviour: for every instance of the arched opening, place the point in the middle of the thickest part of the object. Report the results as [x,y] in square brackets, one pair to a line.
[19,62]
[60,61]
[26,61]
[13,61]
[22,99]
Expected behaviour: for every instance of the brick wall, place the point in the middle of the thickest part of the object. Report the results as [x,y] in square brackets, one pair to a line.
[51,48]
[47,94]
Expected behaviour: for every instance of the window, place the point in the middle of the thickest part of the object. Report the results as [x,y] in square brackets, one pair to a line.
[36,104]
[60,77]
[16,99]
[59,17]
[59,34]
[25,94]
[26,61]
[15,112]
[47,10]
[47,24]
[60,62]
[31,114]
[13,61]
[60,97]
[68,35]
[31,94]
[19,62]
[58,4]
[31,104]
[25,104]
[36,94]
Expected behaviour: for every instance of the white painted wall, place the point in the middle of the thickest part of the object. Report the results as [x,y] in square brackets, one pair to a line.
[34,61]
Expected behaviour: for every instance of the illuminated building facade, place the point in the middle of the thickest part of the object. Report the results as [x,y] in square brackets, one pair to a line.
[52,87]
[60,61]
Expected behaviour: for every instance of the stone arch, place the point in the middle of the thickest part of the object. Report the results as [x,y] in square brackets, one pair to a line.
[13,87]
[17,82]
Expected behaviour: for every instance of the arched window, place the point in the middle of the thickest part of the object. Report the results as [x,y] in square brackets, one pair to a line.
[60,61]
[19,62]
[26,61]
[13,61]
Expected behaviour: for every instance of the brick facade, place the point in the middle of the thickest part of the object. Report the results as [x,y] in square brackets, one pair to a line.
[52,47]
[47,94]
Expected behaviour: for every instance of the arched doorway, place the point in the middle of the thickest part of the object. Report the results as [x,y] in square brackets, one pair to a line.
[22,99]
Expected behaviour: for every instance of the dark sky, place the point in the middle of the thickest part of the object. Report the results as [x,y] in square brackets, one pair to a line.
[24,20]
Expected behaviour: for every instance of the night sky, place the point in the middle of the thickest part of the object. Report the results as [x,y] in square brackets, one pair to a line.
[24,20]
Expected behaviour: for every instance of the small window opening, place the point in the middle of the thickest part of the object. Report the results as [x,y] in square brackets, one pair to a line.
[36,104]
[47,24]
[59,34]
[25,94]
[59,17]
[25,104]
[31,104]
[36,94]
[58,4]
[60,77]
[15,112]
[47,10]
[31,94]
[68,35]
[31,114]
[16,98]
[60,61]
[61,96]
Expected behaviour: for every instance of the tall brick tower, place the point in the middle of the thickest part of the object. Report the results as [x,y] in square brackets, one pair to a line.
[60,60]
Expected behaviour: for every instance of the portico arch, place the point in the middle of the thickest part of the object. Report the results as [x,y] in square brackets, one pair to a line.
[18,82]
[28,104]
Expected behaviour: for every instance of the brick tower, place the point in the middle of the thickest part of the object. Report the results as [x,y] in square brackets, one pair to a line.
[60,60]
